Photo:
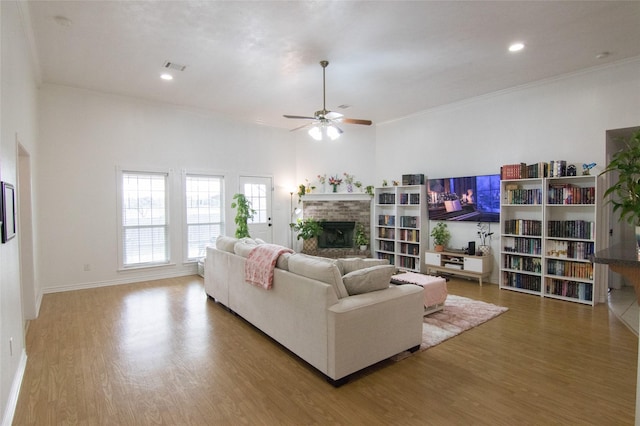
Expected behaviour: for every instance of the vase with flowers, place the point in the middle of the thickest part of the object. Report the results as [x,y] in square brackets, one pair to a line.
[348,179]
[323,180]
[484,233]
[335,182]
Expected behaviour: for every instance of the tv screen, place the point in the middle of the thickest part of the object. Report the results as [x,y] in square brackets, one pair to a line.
[469,198]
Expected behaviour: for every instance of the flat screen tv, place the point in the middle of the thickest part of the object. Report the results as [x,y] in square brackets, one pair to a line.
[468,198]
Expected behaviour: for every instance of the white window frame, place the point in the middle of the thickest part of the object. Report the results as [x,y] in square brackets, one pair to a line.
[185,232]
[121,171]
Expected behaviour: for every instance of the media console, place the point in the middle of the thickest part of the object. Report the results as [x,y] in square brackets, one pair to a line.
[459,264]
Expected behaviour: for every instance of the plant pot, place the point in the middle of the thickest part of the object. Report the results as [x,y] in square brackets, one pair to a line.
[363,247]
[439,247]
[310,246]
[485,250]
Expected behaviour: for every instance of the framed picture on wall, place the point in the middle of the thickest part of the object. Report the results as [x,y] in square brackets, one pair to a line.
[8,212]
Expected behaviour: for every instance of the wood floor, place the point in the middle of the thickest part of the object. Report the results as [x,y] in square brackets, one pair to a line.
[161,352]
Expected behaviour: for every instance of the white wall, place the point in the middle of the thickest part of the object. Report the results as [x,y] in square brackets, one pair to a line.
[559,119]
[18,116]
[85,135]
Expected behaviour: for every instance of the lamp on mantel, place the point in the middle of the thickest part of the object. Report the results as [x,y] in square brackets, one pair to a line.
[294,213]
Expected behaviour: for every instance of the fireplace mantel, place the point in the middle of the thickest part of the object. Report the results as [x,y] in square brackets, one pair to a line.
[337,196]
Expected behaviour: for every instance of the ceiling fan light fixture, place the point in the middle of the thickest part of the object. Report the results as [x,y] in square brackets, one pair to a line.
[332,132]
[315,133]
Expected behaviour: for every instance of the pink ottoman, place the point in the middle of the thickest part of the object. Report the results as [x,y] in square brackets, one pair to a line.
[435,289]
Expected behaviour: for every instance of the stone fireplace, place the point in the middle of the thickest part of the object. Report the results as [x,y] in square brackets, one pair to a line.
[342,212]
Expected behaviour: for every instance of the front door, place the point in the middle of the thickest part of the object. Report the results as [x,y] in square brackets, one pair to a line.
[258,190]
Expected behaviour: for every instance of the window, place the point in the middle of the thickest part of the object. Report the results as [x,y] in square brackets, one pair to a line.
[257,195]
[205,213]
[144,219]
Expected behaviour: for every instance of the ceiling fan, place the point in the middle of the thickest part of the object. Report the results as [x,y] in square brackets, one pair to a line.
[324,121]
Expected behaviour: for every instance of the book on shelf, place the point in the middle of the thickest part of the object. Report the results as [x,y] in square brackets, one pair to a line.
[386,220]
[522,281]
[414,179]
[527,227]
[571,194]
[386,198]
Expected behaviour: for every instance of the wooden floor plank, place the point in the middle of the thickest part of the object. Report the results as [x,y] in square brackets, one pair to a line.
[161,352]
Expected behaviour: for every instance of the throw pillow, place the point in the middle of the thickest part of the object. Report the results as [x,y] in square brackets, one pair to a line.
[368,279]
[243,249]
[283,261]
[226,243]
[318,268]
[347,265]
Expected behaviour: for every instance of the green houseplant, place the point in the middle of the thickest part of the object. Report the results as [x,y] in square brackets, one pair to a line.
[624,194]
[360,238]
[308,230]
[441,236]
[244,213]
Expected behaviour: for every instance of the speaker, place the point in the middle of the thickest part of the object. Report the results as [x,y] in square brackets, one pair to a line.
[472,248]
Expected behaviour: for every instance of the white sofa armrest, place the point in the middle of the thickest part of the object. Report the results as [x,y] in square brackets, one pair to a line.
[368,328]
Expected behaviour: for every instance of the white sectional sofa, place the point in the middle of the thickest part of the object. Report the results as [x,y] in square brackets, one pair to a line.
[309,309]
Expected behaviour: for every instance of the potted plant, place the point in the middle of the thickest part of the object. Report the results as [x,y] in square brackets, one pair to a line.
[369,190]
[441,236]
[244,212]
[484,233]
[360,238]
[308,230]
[624,194]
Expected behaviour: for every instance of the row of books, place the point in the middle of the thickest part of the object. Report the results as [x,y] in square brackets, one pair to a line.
[522,196]
[578,250]
[407,262]
[386,220]
[570,269]
[526,282]
[389,233]
[391,258]
[522,245]
[387,246]
[571,194]
[571,229]
[519,263]
[386,198]
[409,198]
[411,249]
[409,221]
[581,291]
[411,235]
[554,168]
[523,227]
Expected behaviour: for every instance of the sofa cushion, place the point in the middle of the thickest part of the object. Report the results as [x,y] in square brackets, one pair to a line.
[318,268]
[368,279]
[283,261]
[242,248]
[348,265]
[226,243]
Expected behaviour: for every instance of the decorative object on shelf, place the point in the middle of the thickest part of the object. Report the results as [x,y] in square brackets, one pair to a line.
[309,187]
[348,179]
[244,212]
[335,182]
[360,238]
[395,183]
[484,233]
[586,168]
[308,230]
[358,185]
[571,170]
[323,181]
[302,189]
[384,182]
[441,236]
[624,194]
[369,190]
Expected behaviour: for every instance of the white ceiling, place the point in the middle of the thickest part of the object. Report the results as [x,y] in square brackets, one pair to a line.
[256,61]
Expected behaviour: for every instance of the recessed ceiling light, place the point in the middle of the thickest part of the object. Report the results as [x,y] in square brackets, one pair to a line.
[516,47]
[166,77]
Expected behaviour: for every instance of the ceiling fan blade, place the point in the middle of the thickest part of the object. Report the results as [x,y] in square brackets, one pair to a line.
[356,121]
[332,115]
[302,127]
[299,116]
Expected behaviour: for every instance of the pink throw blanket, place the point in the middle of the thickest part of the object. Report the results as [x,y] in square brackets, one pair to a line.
[261,262]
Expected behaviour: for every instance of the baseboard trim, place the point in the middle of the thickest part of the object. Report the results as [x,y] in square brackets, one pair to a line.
[107,283]
[12,401]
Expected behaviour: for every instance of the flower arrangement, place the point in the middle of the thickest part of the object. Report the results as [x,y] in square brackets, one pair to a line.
[322,179]
[335,182]
[484,232]
[348,178]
